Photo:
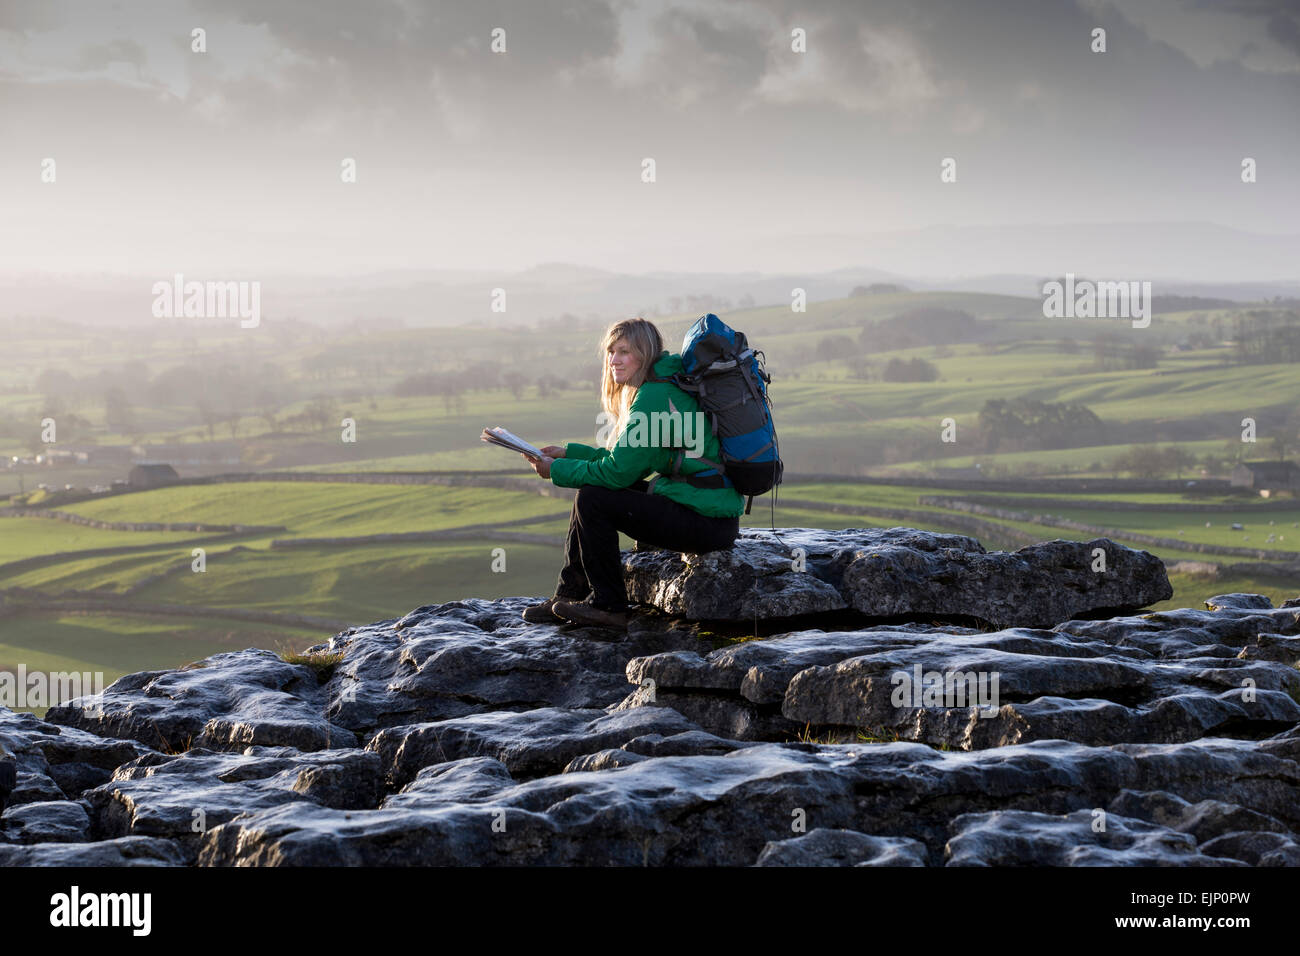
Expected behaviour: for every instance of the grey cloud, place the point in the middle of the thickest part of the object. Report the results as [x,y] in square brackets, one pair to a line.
[528,155]
[697,55]
[377,40]
[400,56]
[950,60]
[100,55]
[1247,7]
[1285,30]
[19,16]
[1281,18]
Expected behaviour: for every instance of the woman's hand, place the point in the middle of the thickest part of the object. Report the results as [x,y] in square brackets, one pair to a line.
[540,465]
[553,451]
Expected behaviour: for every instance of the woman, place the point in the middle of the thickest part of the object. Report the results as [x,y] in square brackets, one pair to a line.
[667,512]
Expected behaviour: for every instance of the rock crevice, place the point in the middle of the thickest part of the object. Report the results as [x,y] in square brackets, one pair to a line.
[461,734]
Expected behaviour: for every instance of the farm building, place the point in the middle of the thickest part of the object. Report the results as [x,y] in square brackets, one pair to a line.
[152,476]
[1267,476]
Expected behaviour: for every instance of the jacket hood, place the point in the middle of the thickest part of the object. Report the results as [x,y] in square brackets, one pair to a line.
[668,363]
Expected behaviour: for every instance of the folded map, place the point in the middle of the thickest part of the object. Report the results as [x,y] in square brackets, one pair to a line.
[499,436]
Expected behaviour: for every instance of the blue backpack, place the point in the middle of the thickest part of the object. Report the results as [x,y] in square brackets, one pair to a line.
[730,384]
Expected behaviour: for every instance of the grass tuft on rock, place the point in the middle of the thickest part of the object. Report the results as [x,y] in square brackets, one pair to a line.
[322,662]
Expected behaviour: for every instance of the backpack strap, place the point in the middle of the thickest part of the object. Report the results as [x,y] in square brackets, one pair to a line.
[718,480]
[705,481]
[759,452]
[712,464]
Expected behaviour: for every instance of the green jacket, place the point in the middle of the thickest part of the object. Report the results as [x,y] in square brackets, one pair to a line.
[648,446]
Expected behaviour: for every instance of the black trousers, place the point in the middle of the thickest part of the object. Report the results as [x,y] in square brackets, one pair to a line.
[592,563]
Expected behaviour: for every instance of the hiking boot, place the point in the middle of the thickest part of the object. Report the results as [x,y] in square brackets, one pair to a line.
[582,612]
[543,613]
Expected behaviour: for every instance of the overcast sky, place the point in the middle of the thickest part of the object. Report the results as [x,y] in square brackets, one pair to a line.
[227,163]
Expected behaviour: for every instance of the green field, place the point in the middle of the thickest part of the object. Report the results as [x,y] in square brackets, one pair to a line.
[237,402]
[309,508]
[30,537]
[828,420]
[119,644]
[358,583]
[115,645]
[1257,527]
[1193,591]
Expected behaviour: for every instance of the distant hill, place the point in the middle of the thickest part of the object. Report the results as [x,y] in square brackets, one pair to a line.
[1200,260]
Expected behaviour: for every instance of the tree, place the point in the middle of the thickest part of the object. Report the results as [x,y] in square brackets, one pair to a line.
[267,404]
[515,383]
[862,369]
[423,384]
[1234,451]
[706,302]
[929,325]
[117,410]
[1023,423]
[1144,461]
[1178,460]
[833,347]
[877,288]
[53,407]
[56,383]
[913,370]
[321,411]
[453,400]
[548,385]
[1286,437]
[209,416]
[1266,336]
[1113,352]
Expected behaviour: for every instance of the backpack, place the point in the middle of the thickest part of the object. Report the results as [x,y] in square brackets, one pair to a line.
[730,384]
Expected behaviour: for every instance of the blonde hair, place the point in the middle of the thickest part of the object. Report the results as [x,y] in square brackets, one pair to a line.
[647,344]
